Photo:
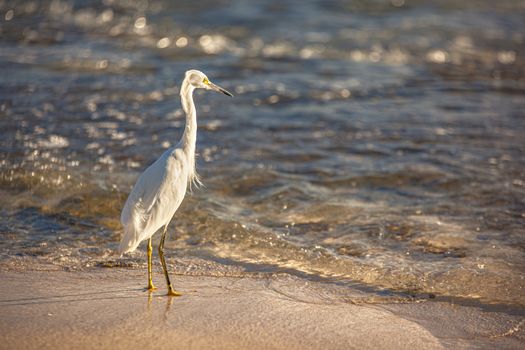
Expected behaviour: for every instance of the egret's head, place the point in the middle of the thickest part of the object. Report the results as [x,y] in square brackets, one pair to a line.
[199,80]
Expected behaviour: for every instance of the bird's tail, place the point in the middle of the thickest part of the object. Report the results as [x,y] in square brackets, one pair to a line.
[130,241]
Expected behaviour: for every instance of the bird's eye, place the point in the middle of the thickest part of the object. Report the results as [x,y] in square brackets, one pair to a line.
[206,81]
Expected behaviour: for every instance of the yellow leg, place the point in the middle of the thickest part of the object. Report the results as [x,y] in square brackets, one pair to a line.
[171,292]
[150,281]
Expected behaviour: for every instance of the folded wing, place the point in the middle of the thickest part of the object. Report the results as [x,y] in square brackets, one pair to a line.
[153,201]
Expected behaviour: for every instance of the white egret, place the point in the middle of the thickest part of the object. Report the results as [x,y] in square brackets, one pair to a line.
[160,189]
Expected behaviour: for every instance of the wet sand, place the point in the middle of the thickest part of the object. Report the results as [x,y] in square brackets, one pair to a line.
[109,308]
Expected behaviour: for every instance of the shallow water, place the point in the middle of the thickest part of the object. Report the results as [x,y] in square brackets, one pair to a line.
[379,143]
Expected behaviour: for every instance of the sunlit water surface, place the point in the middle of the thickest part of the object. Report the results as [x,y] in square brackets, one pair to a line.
[370,142]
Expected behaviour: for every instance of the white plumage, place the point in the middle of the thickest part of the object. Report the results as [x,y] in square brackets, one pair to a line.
[160,189]
[158,193]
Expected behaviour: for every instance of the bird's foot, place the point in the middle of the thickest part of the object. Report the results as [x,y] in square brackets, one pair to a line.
[173,293]
[151,287]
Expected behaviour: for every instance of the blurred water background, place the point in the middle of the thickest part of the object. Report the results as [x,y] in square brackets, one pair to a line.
[372,142]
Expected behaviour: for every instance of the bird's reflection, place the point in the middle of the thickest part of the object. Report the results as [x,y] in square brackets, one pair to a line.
[169,303]
[168,307]
[150,299]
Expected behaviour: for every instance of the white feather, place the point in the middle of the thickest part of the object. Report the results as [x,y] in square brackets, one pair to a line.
[158,193]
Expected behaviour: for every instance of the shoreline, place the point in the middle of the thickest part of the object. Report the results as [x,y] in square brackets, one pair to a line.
[109,308]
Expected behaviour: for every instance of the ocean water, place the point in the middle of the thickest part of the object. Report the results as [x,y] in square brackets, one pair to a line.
[371,143]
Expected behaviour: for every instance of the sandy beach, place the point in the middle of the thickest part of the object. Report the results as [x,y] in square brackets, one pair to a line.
[110,309]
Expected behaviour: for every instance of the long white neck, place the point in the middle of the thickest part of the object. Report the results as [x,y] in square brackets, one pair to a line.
[189,138]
